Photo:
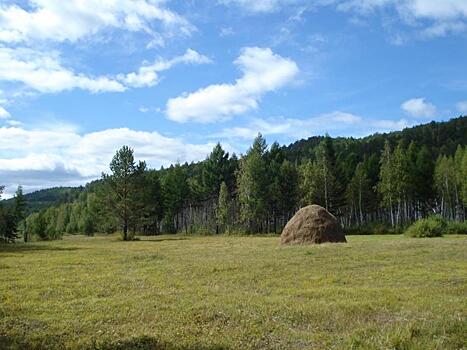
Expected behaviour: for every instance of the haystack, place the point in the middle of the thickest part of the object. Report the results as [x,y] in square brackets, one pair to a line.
[312,224]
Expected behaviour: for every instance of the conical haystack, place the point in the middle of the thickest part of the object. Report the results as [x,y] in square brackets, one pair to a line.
[312,224]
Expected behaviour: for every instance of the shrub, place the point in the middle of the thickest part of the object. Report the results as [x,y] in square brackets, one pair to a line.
[456,228]
[434,226]
[372,229]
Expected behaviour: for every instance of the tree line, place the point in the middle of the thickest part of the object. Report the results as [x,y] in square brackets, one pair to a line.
[388,180]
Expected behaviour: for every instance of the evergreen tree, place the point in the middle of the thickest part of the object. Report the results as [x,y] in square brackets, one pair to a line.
[274,158]
[121,187]
[7,222]
[288,190]
[152,202]
[223,208]
[216,169]
[20,210]
[176,193]
[424,182]
[252,186]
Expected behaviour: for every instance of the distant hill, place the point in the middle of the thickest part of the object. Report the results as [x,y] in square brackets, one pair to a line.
[42,199]
[440,137]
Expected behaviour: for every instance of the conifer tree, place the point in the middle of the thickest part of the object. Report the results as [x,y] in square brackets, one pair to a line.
[121,187]
[252,186]
[223,209]
[20,210]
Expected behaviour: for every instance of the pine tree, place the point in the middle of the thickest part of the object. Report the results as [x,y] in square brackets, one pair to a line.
[274,158]
[121,188]
[223,209]
[216,169]
[288,189]
[252,186]
[176,193]
[20,210]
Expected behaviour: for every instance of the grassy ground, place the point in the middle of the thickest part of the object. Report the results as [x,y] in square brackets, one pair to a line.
[175,292]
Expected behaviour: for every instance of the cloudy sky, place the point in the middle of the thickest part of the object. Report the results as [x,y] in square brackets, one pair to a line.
[80,78]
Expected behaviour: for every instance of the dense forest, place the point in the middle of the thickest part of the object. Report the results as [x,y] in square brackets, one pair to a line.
[380,182]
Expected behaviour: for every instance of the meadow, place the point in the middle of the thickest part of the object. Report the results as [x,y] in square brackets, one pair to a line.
[223,292]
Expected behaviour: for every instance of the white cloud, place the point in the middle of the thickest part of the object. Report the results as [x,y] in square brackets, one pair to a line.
[42,158]
[44,72]
[4,114]
[257,5]
[147,74]
[263,71]
[432,17]
[71,20]
[337,123]
[418,107]
[462,106]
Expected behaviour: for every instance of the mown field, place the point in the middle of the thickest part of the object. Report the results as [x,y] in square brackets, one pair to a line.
[176,292]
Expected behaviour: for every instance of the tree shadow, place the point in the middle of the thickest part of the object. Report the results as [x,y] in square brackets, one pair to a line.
[156,240]
[137,343]
[25,247]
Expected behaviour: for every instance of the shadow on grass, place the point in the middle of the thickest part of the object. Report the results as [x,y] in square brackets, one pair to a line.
[136,343]
[155,240]
[25,247]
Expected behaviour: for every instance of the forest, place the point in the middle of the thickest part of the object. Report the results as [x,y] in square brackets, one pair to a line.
[378,184]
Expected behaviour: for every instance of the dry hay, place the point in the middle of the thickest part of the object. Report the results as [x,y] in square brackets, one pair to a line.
[312,224]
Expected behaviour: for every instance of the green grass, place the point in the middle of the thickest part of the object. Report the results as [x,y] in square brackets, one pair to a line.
[176,292]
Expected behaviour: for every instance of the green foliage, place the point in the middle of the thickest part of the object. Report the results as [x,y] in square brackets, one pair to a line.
[434,226]
[11,217]
[122,193]
[176,194]
[389,179]
[252,179]
[42,199]
[223,208]
[456,228]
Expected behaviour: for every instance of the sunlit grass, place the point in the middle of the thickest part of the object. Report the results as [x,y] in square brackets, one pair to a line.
[375,292]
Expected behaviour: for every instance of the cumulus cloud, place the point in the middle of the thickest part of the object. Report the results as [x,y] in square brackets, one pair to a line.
[72,20]
[337,123]
[263,71]
[42,158]
[147,73]
[44,72]
[418,107]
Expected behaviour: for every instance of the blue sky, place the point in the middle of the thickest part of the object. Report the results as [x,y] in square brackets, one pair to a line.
[78,79]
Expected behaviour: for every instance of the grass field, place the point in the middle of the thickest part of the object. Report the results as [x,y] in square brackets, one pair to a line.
[176,292]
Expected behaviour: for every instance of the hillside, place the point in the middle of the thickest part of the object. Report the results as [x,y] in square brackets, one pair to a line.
[42,199]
